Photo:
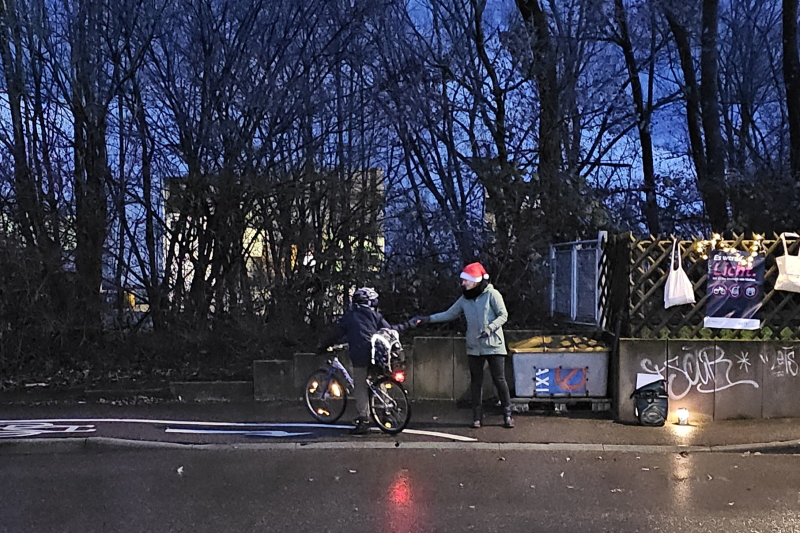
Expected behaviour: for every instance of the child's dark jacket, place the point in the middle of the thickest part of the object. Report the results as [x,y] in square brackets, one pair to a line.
[357,326]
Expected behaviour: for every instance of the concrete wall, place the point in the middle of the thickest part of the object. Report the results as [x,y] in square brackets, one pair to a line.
[436,369]
[440,370]
[433,361]
[714,380]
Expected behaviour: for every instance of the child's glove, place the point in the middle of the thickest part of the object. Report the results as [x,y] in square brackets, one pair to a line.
[410,324]
[417,320]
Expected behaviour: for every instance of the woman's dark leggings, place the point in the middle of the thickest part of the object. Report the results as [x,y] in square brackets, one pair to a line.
[497,367]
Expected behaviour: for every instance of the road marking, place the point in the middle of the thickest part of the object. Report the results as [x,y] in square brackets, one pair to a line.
[32,428]
[298,425]
[438,434]
[263,433]
[179,422]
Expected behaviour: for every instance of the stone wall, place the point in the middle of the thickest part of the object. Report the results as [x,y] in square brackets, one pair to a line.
[436,369]
[714,380]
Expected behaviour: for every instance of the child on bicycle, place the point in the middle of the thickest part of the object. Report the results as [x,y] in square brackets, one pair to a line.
[357,326]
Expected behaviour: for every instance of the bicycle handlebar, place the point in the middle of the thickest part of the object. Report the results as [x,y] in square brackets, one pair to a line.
[336,347]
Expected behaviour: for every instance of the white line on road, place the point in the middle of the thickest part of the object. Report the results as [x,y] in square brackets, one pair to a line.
[229,424]
[442,435]
[256,433]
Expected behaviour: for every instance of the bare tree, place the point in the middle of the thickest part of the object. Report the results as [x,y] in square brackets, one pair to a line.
[29,210]
[643,107]
[791,78]
[702,111]
[550,121]
[715,188]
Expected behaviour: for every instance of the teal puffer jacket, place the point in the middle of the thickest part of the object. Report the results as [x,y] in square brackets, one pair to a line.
[486,311]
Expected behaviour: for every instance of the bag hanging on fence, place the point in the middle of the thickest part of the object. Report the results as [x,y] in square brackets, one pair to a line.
[788,268]
[678,289]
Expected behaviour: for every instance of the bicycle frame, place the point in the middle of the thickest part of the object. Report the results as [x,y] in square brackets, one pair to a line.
[379,394]
[328,388]
[335,365]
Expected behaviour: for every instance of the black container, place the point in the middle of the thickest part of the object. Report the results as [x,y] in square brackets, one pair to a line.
[651,403]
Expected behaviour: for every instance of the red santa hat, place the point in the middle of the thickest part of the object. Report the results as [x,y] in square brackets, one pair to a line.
[474,272]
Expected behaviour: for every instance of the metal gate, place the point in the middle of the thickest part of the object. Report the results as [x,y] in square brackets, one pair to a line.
[575,280]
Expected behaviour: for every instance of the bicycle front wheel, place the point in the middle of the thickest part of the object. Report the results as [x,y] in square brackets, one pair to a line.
[389,405]
[326,396]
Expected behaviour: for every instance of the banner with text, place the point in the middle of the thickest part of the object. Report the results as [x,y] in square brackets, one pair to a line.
[734,288]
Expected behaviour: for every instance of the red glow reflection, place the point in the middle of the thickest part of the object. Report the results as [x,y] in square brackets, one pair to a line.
[403,511]
[400,490]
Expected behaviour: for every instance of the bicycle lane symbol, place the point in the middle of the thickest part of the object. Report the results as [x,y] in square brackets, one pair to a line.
[33,429]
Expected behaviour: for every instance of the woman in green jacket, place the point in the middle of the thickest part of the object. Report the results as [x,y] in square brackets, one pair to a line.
[483,307]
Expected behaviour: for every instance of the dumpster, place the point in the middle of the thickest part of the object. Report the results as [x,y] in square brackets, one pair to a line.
[651,403]
[560,366]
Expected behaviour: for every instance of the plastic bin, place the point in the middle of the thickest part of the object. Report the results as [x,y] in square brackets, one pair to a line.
[544,352]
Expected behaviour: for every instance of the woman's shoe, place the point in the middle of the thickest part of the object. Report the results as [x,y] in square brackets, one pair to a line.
[476,424]
[508,422]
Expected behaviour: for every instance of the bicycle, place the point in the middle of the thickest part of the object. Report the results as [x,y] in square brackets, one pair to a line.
[327,388]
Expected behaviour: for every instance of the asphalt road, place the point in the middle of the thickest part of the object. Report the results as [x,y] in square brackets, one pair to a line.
[396,490]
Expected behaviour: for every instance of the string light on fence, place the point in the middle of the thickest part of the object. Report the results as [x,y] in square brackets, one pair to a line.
[705,247]
[756,246]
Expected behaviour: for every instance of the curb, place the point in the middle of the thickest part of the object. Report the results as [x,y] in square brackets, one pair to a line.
[730,448]
[87,444]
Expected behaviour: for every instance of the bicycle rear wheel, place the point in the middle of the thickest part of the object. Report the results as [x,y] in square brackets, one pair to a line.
[389,405]
[325,395]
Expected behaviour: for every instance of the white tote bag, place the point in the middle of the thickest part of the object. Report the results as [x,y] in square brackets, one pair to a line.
[678,289]
[788,268]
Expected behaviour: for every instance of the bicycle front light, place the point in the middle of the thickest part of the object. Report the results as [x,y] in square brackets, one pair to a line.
[399,376]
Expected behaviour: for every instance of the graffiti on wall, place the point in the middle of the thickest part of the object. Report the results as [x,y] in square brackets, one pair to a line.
[783,364]
[707,370]
[717,379]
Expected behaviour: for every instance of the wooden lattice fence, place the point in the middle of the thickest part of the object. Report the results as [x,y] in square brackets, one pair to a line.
[633,273]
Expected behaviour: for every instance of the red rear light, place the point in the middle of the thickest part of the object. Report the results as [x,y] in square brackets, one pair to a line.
[399,376]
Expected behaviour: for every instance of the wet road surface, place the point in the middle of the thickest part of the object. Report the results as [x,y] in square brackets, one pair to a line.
[397,490]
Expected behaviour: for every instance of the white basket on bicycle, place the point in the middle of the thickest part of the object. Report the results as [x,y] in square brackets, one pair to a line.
[387,352]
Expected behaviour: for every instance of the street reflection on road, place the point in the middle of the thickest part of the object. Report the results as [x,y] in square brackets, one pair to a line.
[403,506]
[683,433]
[683,468]
[400,490]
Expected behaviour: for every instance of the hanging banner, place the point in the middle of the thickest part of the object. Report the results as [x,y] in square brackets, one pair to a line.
[734,290]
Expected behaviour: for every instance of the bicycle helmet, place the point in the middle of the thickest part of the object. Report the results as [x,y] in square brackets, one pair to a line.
[365,296]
